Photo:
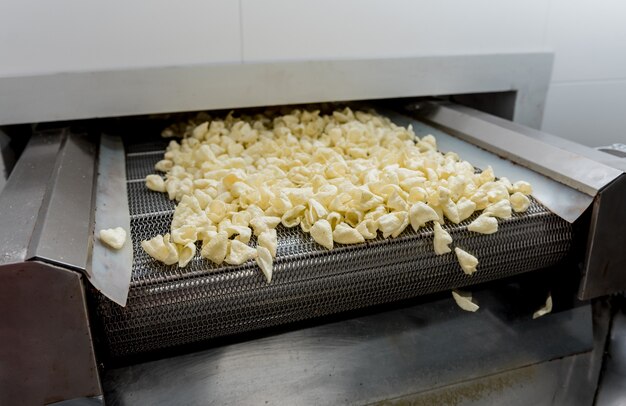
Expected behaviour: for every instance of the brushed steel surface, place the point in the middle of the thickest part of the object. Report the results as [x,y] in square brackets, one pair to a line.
[617,150]
[612,388]
[361,360]
[561,382]
[595,154]
[604,270]
[5,153]
[78,95]
[505,139]
[63,231]
[23,195]
[46,351]
[567,381]
[573,165]
[109,270]
[92,401]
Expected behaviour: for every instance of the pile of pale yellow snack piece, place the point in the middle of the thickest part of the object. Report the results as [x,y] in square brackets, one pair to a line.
[343,178]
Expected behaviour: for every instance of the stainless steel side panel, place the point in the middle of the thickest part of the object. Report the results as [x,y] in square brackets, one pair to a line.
[504,139]
[604,269]
[46,206]
[63,232]
[23,196]
[597,175]
[46,351]
[6,159]
[109,270]
[562,200]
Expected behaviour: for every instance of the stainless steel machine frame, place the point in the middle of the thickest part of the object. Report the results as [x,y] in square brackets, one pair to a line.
[46,210]
[47,349]
[594,173]
[520,79]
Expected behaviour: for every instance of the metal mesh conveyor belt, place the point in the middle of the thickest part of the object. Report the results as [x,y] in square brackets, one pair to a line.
[169,306]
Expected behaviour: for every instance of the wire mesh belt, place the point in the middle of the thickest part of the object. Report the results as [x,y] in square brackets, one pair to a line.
[169,306]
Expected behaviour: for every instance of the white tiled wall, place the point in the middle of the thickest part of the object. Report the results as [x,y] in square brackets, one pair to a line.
[304,29]
[85,35]
[592,113]
[586,101]
[589,37]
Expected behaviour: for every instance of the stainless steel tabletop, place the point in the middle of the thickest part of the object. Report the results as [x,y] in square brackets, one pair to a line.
[382,355]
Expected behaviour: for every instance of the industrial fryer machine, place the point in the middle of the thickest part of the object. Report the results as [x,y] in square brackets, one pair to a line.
[360,324]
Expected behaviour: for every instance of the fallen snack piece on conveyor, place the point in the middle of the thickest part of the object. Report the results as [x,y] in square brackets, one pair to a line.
[186,253]
[156,183]
[113,237]
[322,233]
[500,209]
[420,214]
[545,309]
[467,261]
[441,240]
[464,300]
[519,202]
[265,261]
[239,253]
[161,249]
[215,247]
[344,234]
[522,187]
[484,224]
[342,177]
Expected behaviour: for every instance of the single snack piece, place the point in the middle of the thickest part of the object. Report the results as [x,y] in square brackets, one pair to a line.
[441,240]
[465,208]
[519,202]
[344,234]
[393,224]
[522,187]
[155,182]
[501,209]
[545,309]
[464,300]
[185,234]
[451,211]
[293,216]
[164,165]
[268,239]
[186,254]
[467,261]
[242,233]
[322,233]
[215,247]
[265,261]
[264,223]
[368,228]
[507,183]
[113,237]
[161,249]
[484,224]
[239,253]
[241,218]
[420,214]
